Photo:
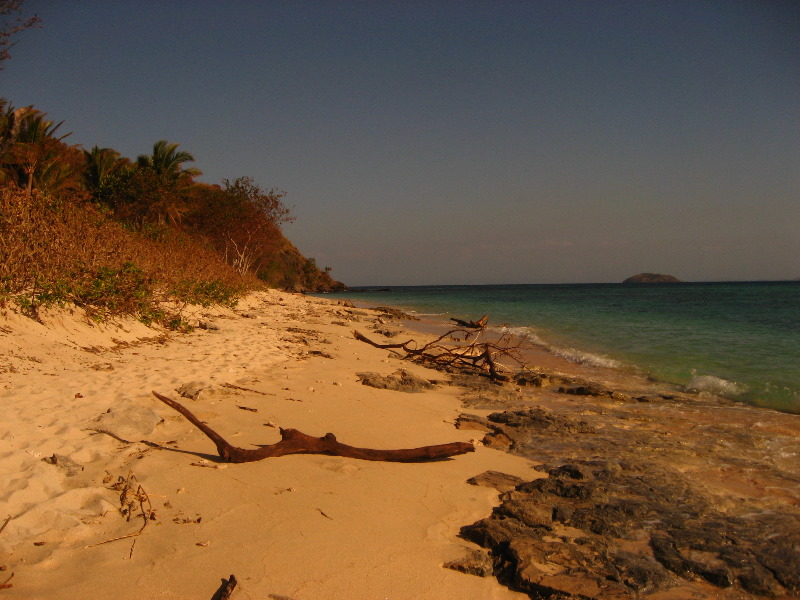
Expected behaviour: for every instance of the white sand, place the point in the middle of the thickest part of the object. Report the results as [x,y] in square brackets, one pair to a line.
[304,527]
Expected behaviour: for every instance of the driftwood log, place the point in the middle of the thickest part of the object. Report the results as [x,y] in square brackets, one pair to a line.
[296,442]
[479,324]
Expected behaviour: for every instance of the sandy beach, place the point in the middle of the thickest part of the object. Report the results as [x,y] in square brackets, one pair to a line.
[307,527]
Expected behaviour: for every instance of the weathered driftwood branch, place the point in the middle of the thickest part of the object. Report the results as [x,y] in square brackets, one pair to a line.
[479,324]
[472,355]
[296,442]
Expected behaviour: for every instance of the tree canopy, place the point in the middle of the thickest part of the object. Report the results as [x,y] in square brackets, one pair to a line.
[12,23]
[157,196]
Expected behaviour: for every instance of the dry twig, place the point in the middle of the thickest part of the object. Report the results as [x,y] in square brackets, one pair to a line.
[5,523]
[6,585]
[131,497]
[244,389]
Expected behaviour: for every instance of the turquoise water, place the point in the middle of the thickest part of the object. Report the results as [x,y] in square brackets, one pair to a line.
[741,340]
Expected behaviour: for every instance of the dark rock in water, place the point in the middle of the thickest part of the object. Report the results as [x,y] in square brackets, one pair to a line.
[395,313]
[595,529]
[652,278]
[592,389]
[401,381]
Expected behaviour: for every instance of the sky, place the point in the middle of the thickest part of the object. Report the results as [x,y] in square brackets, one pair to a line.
[458,142]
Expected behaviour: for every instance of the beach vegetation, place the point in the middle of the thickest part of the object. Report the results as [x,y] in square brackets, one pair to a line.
[241,220]
[167,161]
[58,250]
[144,238]
[100,165]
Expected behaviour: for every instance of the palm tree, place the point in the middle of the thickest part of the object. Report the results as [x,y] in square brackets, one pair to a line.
[30,143]
[101,163]
[173,183]
[167,161]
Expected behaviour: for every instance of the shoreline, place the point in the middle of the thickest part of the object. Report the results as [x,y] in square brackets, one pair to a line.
[733,465]
[315,526]
[575,356]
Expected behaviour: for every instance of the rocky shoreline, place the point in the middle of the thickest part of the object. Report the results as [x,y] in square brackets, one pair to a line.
[645,491]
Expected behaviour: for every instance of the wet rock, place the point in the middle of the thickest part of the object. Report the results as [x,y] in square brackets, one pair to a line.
[401,381]
[531,380]
[394,313]
[592,389]
[480,392]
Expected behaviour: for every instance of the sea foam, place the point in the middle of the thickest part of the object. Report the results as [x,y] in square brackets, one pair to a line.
[586,358]
[571,354]
[715,385]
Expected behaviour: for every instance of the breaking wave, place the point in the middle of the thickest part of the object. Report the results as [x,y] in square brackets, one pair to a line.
[525,333]
[571,354]
[715,385]
[586,358]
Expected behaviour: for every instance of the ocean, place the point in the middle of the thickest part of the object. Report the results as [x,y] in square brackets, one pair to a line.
[740,339]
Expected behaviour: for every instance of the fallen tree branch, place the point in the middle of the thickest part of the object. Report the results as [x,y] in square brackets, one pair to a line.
[467,355]
[479,324]
[296,442]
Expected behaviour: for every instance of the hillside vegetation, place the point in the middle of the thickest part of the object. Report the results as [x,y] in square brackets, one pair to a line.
[140,237]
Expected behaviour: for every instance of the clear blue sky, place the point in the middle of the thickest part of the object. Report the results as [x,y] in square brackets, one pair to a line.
[459,142]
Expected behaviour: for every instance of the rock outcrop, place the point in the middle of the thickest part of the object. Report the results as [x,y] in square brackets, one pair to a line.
[611,529]
[658,495]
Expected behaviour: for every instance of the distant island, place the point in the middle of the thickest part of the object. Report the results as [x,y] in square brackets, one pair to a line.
[652,278]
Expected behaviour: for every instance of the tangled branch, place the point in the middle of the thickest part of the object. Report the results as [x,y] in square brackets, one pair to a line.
[472,354]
